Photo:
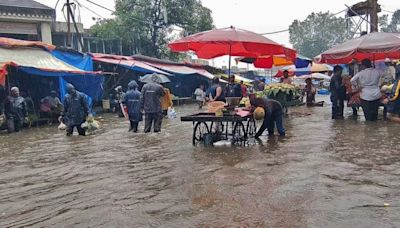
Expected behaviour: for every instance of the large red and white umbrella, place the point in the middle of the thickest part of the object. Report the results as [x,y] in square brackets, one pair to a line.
[230,41]
[374,46]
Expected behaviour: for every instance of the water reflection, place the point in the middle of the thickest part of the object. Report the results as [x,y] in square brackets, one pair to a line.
[324,174]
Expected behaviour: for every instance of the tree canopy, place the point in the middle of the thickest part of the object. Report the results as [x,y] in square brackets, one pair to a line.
[393,26]
[151,24]
[317,33]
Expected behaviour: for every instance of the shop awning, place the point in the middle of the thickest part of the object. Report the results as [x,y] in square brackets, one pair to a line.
[127,62]
[37,61]
[35,57]
[238,78]
[179,69]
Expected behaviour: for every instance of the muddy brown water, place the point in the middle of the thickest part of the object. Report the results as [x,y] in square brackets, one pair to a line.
[323,174]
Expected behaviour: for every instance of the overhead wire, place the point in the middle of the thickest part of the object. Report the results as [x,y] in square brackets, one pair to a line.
[159,26]
[134,18]
[286,30]
[55,7]
[90,10]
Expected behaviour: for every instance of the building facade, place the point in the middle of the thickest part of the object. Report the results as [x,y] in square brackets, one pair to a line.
[26,19]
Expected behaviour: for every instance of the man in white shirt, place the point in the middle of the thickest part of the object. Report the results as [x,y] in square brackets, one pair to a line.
[368,81]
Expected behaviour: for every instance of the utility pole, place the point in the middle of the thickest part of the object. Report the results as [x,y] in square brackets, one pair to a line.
[373,4]
[68,25]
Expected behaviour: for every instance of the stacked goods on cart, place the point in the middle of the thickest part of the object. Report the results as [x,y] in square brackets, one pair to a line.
[216,107]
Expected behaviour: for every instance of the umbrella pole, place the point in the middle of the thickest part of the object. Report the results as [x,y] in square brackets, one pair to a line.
[230,52]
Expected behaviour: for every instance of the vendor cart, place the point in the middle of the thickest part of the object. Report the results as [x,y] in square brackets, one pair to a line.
[209,127]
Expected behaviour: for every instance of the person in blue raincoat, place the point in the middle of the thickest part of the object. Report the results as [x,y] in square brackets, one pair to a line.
[132,102]
[76,109]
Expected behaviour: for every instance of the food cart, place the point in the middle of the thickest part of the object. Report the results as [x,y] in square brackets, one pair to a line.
[232,123]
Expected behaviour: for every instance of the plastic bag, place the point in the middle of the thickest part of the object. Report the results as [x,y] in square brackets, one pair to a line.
[62,126]
[90,125]
[171,113]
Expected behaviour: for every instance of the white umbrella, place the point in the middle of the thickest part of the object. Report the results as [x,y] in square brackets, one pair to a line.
[148,78]
[316,76]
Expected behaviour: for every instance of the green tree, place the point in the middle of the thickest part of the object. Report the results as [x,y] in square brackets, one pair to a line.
[317,33]
[150,24]
[393,26]
[107,29]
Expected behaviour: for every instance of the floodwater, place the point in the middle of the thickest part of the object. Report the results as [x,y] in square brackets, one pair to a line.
[323,174]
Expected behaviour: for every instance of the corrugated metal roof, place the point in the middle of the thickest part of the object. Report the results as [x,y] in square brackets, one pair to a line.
[130,64]
[34,57]
[24,4]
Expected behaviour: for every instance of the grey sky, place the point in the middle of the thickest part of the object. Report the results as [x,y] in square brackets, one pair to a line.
[260,16]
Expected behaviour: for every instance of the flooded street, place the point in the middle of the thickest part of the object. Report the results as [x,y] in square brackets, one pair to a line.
[323,174]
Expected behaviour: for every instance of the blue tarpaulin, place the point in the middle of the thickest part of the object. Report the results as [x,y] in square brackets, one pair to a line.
[90,84]
[302,61]
[78,60]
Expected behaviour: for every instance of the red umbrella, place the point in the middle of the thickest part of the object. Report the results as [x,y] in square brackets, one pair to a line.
[230,41]
[374,46]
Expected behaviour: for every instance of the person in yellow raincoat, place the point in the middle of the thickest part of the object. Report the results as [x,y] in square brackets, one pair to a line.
[166,101]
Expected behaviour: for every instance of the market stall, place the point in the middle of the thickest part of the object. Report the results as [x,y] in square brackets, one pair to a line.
[287,94]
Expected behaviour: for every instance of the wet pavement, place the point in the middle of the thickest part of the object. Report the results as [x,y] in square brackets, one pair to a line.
[323,174]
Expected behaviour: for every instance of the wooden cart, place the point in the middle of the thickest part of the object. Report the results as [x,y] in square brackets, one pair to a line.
[228,127]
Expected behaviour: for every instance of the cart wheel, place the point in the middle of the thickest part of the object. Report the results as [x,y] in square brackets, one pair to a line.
[251,127]
[200,129]
[239,133]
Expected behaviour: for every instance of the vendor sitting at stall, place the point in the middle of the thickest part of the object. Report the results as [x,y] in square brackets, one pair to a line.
[273,115]
[393,101]
[286,79]
[51,103]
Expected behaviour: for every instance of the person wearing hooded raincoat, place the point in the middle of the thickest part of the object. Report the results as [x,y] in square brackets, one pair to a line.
[15,110]
[76,109]
[132,102]
[151,104]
